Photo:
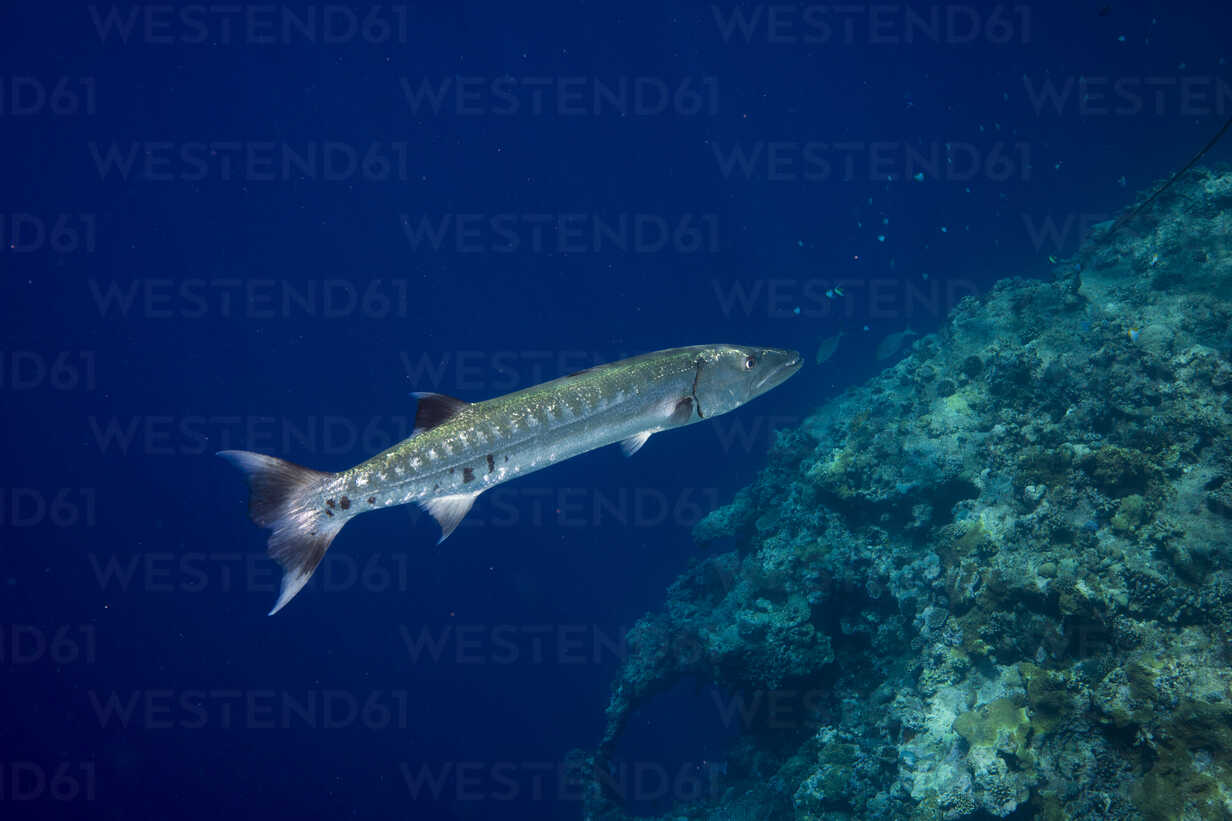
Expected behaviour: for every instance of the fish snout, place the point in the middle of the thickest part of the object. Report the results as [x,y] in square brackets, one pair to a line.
[779,365]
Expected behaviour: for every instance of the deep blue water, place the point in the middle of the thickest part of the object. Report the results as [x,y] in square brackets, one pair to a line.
[222,233]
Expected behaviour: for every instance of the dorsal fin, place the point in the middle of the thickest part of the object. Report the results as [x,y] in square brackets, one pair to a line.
[434,409]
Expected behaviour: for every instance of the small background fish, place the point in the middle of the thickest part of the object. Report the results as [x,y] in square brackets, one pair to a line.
[828,346]
[892,343]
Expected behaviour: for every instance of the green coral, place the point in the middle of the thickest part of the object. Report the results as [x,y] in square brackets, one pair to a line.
[1193,770]
[1119,471]
[1044,466]
[975,540]
[1002,724]
[1132,513]
[1048,697]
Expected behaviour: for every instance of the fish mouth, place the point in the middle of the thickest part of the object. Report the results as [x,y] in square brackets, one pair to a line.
[788,363]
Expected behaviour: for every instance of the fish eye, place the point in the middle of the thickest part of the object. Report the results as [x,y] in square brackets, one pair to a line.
[749,363]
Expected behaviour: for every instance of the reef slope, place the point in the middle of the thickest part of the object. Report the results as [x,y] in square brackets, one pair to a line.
[996,581]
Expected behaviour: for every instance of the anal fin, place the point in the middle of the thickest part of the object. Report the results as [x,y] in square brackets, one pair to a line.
[449,511]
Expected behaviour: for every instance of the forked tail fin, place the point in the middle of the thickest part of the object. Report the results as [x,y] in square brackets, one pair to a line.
[286,499]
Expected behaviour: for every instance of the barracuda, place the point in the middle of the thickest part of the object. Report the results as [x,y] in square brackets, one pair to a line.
[460,449]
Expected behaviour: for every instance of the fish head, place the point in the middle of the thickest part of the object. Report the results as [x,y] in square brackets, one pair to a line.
[730,375]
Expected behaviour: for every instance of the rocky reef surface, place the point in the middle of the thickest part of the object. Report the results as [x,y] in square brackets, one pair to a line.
[996,581]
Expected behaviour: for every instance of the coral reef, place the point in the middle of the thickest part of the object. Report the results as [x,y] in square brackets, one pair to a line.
[998,578]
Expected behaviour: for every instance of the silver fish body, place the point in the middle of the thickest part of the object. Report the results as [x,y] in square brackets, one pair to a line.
[460,449]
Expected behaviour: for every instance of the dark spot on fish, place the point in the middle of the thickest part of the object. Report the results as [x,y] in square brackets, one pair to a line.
[506,457]
[329,502]
[372,500]
[344,503]
[436,487]
[468,475]
[491,463]
[329,513]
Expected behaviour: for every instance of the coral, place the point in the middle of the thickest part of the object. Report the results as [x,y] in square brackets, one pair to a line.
[1002,569]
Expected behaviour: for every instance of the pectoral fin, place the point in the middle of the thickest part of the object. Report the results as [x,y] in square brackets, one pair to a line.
[449,511]
[634,443]
[682,412]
